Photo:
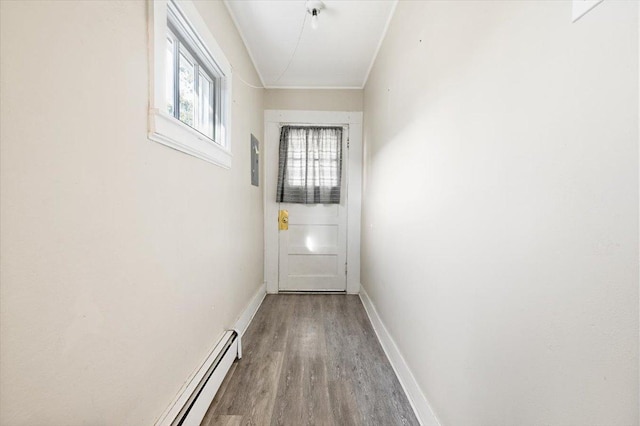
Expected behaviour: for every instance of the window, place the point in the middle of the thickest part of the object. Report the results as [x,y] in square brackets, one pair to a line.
[310,165]
[192,95]
[191,84]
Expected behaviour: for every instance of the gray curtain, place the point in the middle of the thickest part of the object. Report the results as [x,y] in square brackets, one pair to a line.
[310,169]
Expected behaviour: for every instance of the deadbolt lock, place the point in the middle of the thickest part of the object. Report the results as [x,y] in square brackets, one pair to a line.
[283,220]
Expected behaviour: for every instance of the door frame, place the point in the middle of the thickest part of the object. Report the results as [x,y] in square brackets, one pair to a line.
[273,119]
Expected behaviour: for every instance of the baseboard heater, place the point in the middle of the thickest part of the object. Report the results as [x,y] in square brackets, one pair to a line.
[192,403]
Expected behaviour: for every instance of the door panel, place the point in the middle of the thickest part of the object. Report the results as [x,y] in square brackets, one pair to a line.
[313,237]
[301,265]
[313,251]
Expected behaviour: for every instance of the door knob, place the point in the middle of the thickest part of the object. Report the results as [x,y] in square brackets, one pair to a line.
[283,220]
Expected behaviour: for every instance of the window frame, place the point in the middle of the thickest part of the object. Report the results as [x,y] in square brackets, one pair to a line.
[168,19]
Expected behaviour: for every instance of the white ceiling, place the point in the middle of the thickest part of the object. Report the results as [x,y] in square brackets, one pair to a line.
[338,54]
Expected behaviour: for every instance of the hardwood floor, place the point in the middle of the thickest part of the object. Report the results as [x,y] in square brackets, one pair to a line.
[311,360]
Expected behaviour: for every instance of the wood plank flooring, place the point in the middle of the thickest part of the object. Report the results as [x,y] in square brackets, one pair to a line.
[311,360]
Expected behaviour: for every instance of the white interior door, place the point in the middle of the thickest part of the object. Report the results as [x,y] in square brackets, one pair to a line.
[312,253]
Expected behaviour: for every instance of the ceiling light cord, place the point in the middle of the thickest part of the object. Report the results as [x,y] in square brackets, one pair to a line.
[304,21]
[235,74]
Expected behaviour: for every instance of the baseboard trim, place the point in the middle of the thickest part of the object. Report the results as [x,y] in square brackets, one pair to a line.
[416,397]
[240,326]
[249,312]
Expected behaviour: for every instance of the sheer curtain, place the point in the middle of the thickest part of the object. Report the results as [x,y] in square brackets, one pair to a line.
[310,169]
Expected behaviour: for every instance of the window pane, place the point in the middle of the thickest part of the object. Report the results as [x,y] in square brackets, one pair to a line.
[310,174]
[297,157]
[170,86]
[313,158]
[205,105]
[187,92]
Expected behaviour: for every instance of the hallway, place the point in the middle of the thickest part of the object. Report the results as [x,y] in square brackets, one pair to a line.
[311,359]
[306,212]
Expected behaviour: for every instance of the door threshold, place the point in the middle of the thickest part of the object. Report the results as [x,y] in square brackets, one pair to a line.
[312,291]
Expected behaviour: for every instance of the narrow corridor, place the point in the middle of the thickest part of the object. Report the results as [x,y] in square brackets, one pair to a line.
[311,359]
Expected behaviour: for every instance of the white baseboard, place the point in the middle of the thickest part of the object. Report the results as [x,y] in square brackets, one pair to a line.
[249,312]
[416,397]
[194,379]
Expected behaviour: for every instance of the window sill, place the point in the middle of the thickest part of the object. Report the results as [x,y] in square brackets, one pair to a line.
[169,131]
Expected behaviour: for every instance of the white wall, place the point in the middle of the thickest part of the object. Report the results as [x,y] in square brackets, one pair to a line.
[122,260]
[314,99]
[500,215]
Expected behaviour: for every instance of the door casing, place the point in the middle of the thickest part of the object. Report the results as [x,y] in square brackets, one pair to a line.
[273,119]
